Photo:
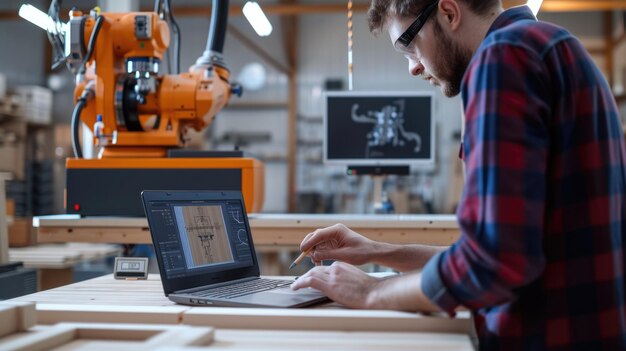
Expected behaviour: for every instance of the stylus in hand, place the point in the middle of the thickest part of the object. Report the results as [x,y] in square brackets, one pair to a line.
[300,258]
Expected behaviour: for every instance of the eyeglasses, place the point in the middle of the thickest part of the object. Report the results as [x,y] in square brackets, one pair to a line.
[407,37]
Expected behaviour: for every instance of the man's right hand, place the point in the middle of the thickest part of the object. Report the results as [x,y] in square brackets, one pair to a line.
[339,243]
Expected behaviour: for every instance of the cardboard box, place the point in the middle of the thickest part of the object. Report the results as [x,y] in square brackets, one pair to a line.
[13,148]
[9,105]
[22,233]
[35,104]
[10,207]
[12,158]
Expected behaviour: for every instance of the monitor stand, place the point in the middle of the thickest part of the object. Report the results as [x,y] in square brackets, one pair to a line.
[381,203]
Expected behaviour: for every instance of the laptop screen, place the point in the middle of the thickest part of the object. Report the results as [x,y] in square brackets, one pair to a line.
[199,237]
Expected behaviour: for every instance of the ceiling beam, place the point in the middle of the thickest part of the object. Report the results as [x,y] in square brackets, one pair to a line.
[250,44]
[574,6]
[305,9]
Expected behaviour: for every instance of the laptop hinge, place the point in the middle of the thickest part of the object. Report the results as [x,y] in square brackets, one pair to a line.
[216,285]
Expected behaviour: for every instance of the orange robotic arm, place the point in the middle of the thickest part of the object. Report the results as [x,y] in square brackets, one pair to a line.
[143,114]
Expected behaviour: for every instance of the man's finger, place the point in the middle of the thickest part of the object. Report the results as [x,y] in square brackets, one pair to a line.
[316,278]
[306,238]
[318,236]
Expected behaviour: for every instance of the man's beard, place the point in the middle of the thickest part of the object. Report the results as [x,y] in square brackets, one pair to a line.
[452,63]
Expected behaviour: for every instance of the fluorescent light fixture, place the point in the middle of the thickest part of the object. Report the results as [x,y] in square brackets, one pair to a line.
[36,17]
[534,5]
[257,19]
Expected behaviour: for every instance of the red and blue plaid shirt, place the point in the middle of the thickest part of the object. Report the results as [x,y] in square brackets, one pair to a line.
[540,260]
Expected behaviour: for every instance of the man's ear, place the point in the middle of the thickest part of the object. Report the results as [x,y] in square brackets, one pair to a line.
[451,11]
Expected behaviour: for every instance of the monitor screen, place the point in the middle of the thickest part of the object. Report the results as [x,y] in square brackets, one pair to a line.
[200,237]
[379,128]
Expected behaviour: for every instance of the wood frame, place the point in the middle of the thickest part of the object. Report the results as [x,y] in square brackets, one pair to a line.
[16,316]
[107,336]
[329,319]
[106,300]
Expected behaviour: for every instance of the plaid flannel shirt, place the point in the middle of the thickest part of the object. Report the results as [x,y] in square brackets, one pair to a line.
[540,260]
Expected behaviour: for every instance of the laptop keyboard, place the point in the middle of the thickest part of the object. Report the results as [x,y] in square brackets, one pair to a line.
[242,289]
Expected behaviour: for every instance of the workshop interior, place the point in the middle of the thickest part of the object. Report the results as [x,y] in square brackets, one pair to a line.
[278,111]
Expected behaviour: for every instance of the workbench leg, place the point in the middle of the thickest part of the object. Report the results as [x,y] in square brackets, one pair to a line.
[4,233]
[50,278]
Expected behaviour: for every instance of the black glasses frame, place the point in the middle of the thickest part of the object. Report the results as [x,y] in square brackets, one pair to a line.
[407,37]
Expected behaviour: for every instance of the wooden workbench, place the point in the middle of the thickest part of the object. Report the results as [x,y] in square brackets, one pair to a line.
[55,262]
[20,331]
[106,300]
[271,230]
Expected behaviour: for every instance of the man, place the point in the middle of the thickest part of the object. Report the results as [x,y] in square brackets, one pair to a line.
[540,260]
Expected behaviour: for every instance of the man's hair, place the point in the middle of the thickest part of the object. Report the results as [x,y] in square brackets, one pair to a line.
[380,9]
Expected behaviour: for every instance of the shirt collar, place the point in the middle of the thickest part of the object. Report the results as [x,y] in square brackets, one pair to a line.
[510,16]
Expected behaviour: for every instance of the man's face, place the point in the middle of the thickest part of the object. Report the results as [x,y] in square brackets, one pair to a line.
[433,55]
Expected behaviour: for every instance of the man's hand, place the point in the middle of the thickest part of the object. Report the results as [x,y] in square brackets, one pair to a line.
[338,242]
[351,287]
[341,282]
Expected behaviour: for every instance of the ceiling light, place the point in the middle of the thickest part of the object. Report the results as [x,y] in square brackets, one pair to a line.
[36,17]
[253,13]
[534,5]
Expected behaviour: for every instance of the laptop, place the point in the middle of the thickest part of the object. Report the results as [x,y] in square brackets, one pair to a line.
[205,252]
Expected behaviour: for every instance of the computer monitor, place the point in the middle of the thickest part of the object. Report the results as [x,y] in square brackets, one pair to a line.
[379,128]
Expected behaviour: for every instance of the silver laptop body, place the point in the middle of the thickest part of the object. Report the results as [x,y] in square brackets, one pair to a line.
[205,252]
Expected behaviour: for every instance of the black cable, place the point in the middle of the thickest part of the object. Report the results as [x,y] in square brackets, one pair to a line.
[92,43]
[78,109]
[177,36]
[168,53]
[158,7]
[217,33]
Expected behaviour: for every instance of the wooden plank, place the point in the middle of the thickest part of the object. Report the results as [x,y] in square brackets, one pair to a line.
[41,340]
[93,235]
[105,290]
[16,316]
[267,229]
[326,319]
[293,237]
[262,236]
[271,340]
[106,336]
[70,312]
[61,256]
[258,220]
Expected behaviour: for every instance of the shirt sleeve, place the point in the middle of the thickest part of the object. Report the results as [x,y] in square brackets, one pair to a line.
[501,212]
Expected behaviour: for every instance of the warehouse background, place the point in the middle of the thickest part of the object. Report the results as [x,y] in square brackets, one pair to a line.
[259,121]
